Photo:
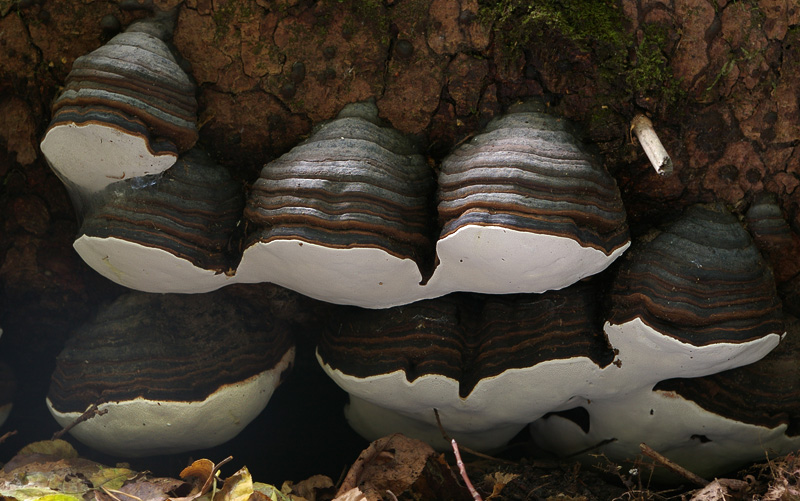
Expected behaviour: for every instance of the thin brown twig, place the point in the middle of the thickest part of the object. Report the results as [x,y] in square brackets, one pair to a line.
[672,466]
[463,471]
[89,413]
[116,491]
[207,484]
[115,498]
[6,435]
[466,449]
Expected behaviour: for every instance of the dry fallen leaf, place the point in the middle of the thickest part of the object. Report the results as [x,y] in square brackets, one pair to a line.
[262,492]
[198,473]
[310,488]
[143,488]
[58,448]
[720,490]
[353,494]
[498,480]
[237,487]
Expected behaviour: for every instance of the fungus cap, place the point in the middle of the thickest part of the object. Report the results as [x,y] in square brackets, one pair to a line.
[169,233]
[175,372]
[127,109]
[488,364]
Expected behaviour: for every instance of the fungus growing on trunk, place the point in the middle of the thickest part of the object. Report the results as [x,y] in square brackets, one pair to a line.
[169,233]
[524,208]
[694,300]
[344,215]
[127,110]
[174,372]
[488,364]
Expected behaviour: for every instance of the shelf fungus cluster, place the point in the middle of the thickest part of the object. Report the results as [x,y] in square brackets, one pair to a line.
[691,308]
[169,372]
[489,364]
[521,208]
[435,268]
[349,216]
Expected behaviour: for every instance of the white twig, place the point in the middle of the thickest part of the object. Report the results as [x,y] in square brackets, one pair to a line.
[642,127]
[463,471]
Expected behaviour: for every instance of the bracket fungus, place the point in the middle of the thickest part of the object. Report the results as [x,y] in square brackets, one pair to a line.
[710,425]
[698,298]
[488,364]
[523,209]
[127,110]
[174,372]
[695,300]
[344,214]
[168,233]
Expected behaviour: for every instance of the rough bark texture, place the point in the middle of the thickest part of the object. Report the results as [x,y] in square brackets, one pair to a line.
[720,80]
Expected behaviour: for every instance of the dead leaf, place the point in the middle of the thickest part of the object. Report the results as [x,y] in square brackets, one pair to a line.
[310,488]
[720,489]
[144,488]
[59,448]
[237,487]
[111,478]
[353,494]
[398,464]
[198,473]
[263,491]
[58,497]
[498,480]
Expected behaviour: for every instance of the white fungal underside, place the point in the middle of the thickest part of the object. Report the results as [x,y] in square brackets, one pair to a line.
[143,427]
[501,406]
[669,424]
[92,156]
[146,269]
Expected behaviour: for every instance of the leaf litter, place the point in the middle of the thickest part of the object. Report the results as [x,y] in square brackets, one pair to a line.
[393,467]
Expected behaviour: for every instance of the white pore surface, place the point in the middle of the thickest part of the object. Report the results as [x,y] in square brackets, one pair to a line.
[361,276]
[497,260]
[666,422]
[92,156]
[146,268]
[145,427]
[487,418]
[485,259]
[500,406]
[646,357]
